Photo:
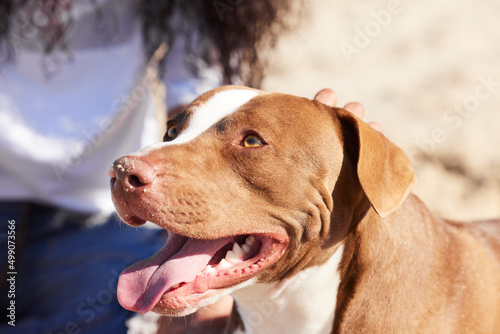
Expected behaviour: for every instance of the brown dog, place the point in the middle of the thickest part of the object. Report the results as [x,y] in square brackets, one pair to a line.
[302,213]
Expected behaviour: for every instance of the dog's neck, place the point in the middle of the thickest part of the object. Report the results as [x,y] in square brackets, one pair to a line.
[304,303]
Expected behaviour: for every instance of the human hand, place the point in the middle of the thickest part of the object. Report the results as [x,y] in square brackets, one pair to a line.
[208,320]
[329,97]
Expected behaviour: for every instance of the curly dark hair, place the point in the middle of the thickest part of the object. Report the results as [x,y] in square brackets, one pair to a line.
[234,33]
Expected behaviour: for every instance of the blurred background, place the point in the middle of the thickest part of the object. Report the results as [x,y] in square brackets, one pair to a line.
[427,71]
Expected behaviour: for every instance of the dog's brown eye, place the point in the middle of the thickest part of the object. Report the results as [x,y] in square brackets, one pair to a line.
[171,132]
[252,141]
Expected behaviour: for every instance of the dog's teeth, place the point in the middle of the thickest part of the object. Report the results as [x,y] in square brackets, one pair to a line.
[245,248]
[176,286]
[250,240]
[223,264]
[209,270]
[235,255]
[231,257]
[237,250]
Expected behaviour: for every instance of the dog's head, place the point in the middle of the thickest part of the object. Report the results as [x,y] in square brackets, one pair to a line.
[252,187]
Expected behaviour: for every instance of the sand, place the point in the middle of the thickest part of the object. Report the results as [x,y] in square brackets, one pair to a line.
[428,71]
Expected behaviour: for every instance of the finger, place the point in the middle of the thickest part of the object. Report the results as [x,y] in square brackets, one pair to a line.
[376,126]
[327,96]
[356,108]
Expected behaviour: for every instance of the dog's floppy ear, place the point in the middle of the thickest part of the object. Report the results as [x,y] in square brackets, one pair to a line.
[384,171]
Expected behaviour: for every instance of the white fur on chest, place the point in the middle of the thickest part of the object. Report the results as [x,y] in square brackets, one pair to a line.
[303,304]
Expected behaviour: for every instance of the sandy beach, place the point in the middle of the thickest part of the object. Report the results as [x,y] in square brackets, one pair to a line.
[428,71]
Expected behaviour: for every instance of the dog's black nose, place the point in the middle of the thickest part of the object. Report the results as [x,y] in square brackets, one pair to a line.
[132,173]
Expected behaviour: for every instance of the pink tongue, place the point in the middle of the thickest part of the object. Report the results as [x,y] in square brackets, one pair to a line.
[141,285]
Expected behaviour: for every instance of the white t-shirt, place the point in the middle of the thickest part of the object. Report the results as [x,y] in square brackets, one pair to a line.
[64,119]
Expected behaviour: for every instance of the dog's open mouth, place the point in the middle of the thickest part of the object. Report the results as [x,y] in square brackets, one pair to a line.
[186,270]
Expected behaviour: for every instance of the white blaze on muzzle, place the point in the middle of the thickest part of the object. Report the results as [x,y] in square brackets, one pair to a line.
[207,115]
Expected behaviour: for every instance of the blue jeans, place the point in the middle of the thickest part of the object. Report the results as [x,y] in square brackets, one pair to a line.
[65,272]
